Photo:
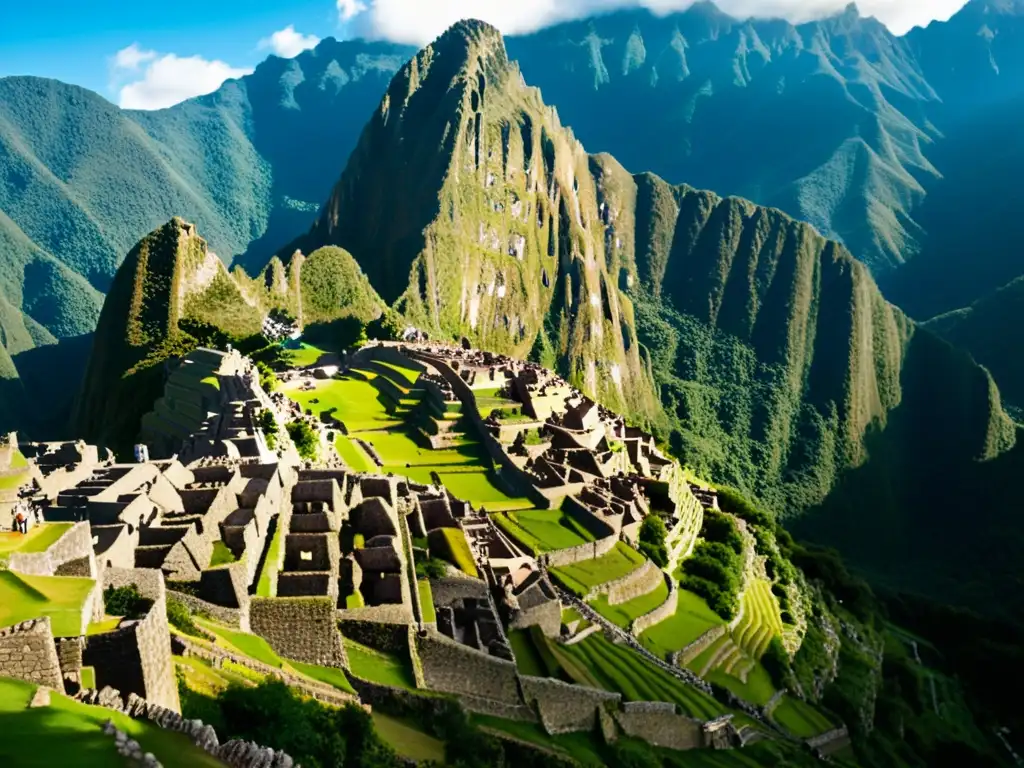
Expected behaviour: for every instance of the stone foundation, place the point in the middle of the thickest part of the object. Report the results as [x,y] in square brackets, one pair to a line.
[300,628]
[28,652]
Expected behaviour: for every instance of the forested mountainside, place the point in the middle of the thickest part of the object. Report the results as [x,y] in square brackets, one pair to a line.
[81,181]
[901,148]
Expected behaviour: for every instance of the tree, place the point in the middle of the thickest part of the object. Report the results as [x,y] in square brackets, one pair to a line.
[652,540]
[776,662]
[306,439]
[388,327]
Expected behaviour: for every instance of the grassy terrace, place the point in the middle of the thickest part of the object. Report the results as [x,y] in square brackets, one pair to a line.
[379,667]
[14,481]
[692,619]
[580,578]
[800,718]
[38,539]
[544,530]
[69,733]
[623,614]
[366,404]
[269,569]
[617,668]
[30,597]
[407,739]
[450,544]
[302,355]
[426,601]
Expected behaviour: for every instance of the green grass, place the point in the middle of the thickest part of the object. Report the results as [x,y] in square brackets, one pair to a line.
[68,733]
[426,601]
[211,381]
[31,597]
[304,355]
[221,555]
[39,538]
[269,570]
[108,624]
[757,690]
[450,544]
[692,619]
[582,747]
[528,660]
[13,481]
[358,404]
[88,677]
[407,739]
[545,530]
[253,646]
[580,578]
[379,667]
[800,718]
[620,669]
[481,489]
[623,614]
[329,675]
[353,454]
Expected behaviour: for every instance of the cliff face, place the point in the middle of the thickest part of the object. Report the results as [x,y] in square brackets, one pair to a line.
[472,207]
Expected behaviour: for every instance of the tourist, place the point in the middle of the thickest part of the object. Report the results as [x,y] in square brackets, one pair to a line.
[20,523]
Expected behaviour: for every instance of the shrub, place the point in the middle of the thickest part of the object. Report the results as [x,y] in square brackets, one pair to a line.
[267,378]
[431,568]
[733,501]
[126,601]
[720,528]
[180,617]
[652,540]
[714,572]
[306,439]
[776,662]
[267,422]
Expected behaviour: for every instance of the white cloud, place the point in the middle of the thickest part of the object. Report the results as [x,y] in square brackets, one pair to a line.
[420,21]
[169,79]
[288,43]
[348,9]
[131,57]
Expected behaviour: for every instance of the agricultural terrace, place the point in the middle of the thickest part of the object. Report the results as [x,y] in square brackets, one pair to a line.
[800,718]
[61,598]
[733,661]
[39,538]
[692,619]
[619,669]
[580,578]
[408,739]
[623,614]
[379,403]
[544,530]
[69,733]
[379,667]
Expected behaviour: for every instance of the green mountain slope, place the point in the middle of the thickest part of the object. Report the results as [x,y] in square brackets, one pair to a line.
[781,367]
[81,181]
[471,207]
[825,120]
[993,332]
[172,294]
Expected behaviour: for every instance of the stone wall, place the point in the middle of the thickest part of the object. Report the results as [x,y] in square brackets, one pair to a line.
[588,551]
[659,724]
[642,623]
[69,654]
[685,655]
[300,628]
[547,616]
[634,584]
[451,667]
[227,586]
[138,651]
[598,527]
[232,617]
[28,652]
[563,707]
[71,550]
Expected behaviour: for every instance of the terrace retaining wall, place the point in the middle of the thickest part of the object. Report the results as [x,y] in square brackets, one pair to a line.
[642,623]
[28,652]
[136,657]
[451,667]
[578,554]
[658,724]
[564,707]
[232,617]
[637,582]
[685,655]
[300,628]
[71,554]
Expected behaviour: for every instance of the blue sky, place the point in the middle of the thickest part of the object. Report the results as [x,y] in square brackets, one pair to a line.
[181,49]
